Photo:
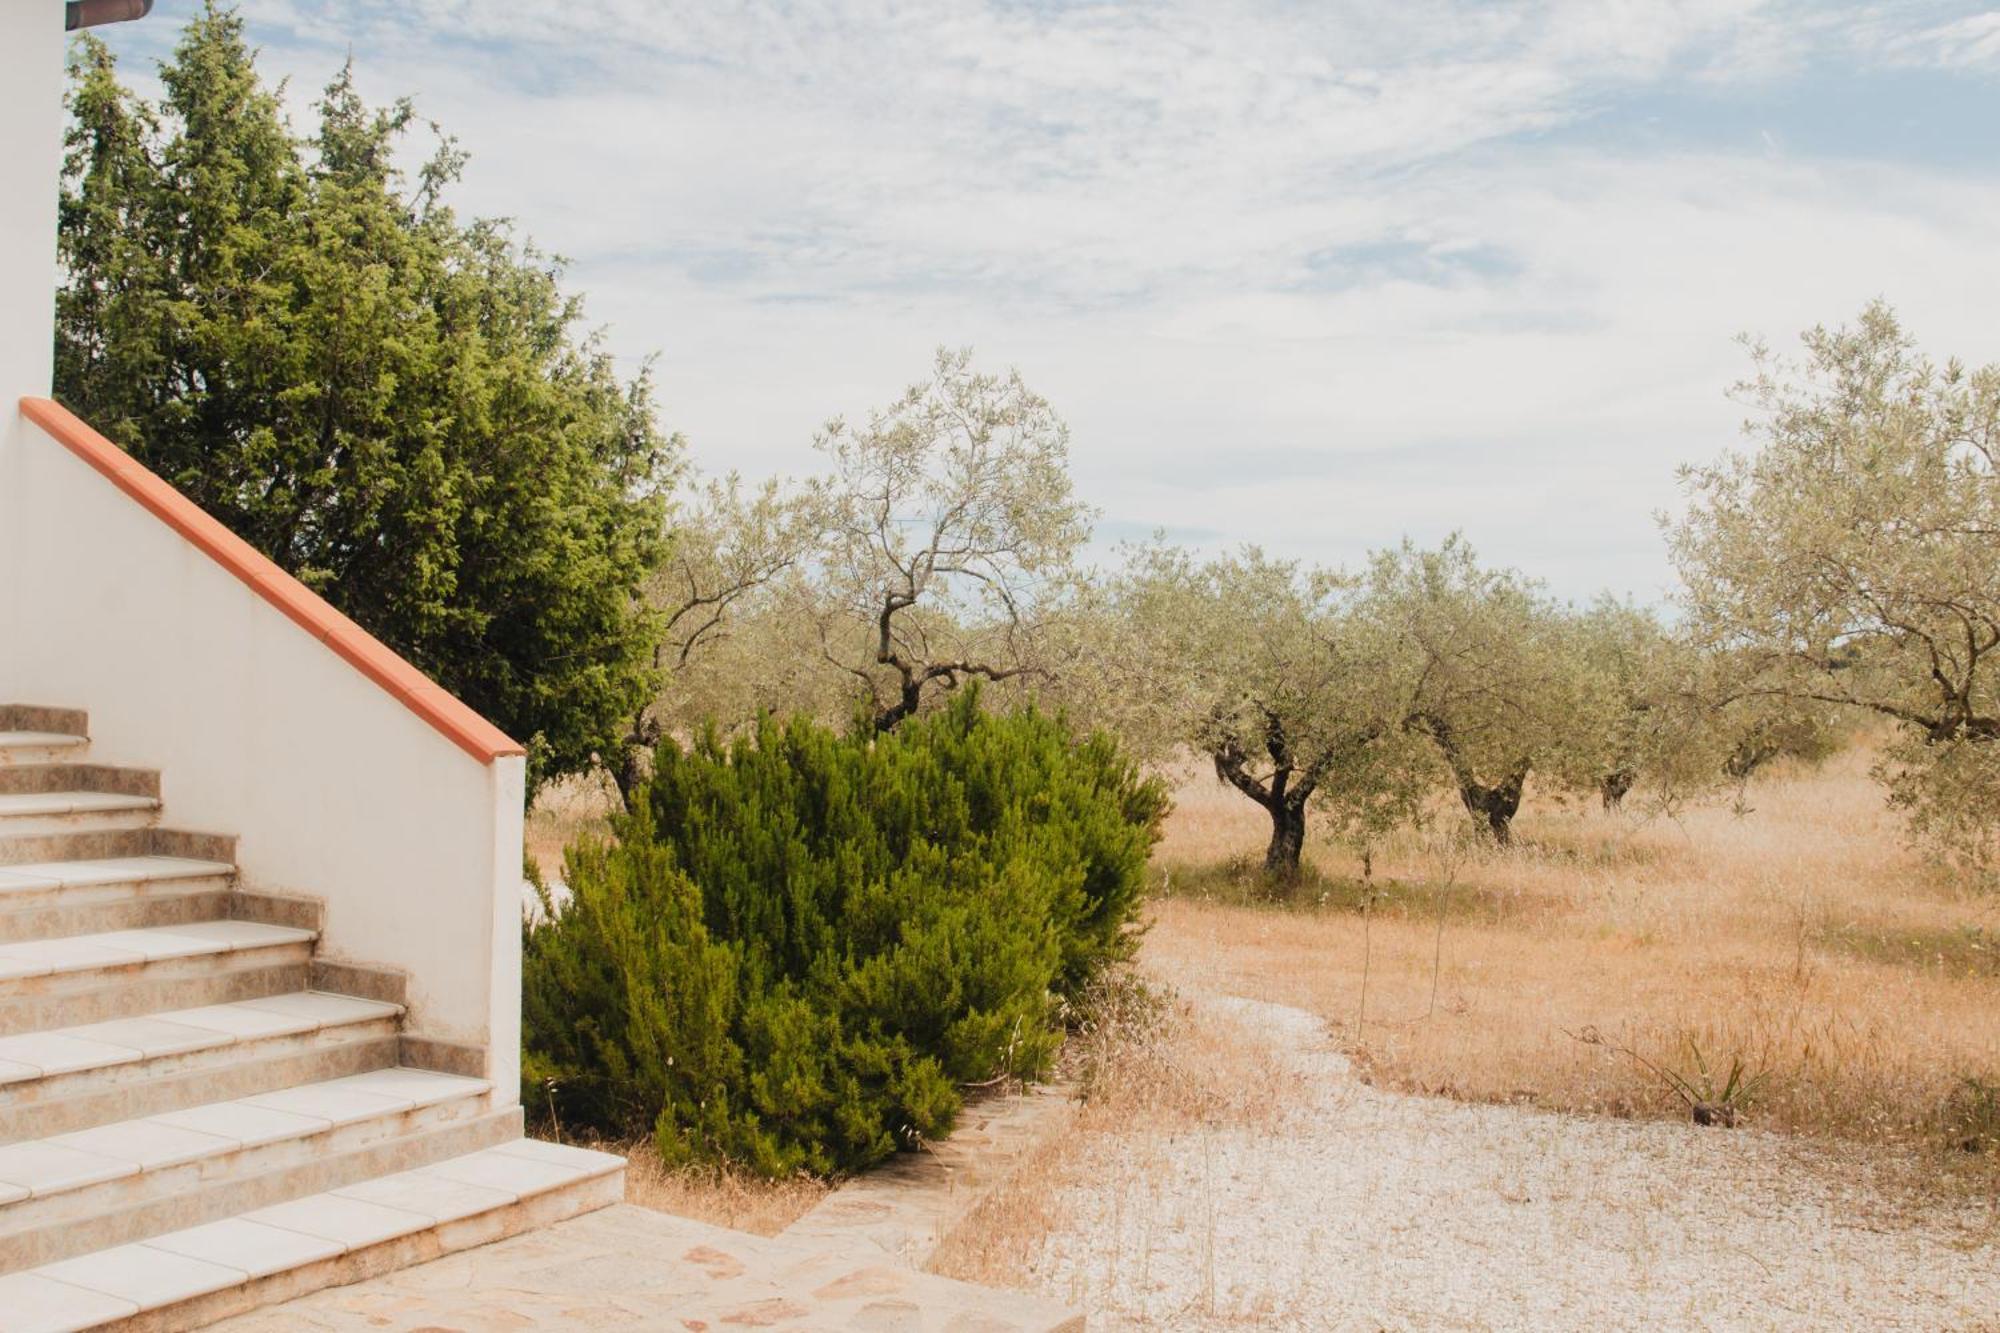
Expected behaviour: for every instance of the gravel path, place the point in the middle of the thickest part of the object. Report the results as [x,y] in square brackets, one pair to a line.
[1369,1209]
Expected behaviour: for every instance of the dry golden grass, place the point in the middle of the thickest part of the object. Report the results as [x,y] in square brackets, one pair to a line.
[723,1196]
[562,812]
[1798,936]
[1230,1172]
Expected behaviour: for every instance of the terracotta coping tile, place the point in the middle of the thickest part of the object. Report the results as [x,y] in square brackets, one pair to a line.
[305,608]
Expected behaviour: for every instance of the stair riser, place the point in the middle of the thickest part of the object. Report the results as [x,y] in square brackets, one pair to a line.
[62,1103]
[40,717]
[116,843]
[278,909]
[23,779]
[32,827]
[86,909]
[530,1214]
[289,1174]
[67,999]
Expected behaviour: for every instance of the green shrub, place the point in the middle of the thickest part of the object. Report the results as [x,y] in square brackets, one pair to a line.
[803,944]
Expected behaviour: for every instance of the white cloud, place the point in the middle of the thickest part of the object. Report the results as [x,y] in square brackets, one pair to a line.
[1965,42]
[1314,274]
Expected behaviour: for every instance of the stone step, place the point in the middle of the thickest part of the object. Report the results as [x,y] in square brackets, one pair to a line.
[190,1278]
[74,1078]
[46,983]
[113,1183]
[49,899]
[39,814]
[176,1106]
[116,844]
[39,747]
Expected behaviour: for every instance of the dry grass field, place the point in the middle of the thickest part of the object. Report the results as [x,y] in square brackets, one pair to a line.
[1791,931]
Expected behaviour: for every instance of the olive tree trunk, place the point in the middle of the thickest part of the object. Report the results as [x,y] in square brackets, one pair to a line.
[1288,838]
[1495,806]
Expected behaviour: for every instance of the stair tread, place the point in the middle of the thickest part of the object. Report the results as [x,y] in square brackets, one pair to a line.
[119,948]
[32,1055]
[145,1277]
[38,1168]
[256,1248]
[50,1305]
[105,870]
[41,740]
[73,803]
[183,1265]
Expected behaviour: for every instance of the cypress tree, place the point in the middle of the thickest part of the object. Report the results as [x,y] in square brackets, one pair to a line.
[902,916]
[395,405]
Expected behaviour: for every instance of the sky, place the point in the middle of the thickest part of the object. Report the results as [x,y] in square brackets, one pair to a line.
[1316,275]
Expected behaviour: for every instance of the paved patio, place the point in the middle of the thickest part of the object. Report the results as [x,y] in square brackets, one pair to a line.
[628,1267]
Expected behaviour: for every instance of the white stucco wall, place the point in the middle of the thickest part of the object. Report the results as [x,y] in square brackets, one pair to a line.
[31,122]
[334,787]
[31,81]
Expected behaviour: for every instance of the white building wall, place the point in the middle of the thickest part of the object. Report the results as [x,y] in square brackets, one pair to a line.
[31,83]
[31,123]
[334,786]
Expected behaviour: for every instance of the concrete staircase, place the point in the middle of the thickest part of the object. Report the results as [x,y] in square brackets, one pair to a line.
[197,1116]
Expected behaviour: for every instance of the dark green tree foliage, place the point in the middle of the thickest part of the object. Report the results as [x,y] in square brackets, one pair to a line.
[396,406]
[803,943]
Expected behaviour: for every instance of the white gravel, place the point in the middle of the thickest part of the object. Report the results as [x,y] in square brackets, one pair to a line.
[1369,1209]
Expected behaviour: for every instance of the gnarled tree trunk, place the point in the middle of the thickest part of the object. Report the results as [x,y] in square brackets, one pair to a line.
[632,766]
[1493,805]
[913,677]
[1283,795]
[1288,838]
[1496,805]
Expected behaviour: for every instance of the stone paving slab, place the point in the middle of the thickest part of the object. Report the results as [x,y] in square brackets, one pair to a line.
[628,1267]
[909,1204]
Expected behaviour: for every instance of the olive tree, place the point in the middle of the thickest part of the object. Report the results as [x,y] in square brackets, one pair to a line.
[1486,672]
[948,536]
[731,580]
[1644,707]
[1852,558]
[1256,664]
[1759,727]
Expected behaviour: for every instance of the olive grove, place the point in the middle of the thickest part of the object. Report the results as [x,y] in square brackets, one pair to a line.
[1852,560]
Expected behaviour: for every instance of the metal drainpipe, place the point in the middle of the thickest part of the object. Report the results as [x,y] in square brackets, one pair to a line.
[96,13]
